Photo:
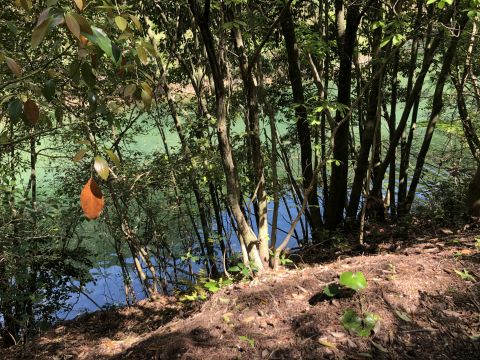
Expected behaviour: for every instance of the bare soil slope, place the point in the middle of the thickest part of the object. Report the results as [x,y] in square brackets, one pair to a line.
[427,312]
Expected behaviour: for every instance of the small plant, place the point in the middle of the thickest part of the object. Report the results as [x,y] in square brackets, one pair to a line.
[361,325]
[245,272]
[251,342]
[477,243]
[214,285]
[364,323]
[348,280]
[284,260]
[465,275]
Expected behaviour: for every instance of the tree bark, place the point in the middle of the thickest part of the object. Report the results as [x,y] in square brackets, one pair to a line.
[346,39]
[303,128]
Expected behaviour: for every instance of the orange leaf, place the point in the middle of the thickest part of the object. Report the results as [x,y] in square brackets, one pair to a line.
[91,199]
[31,111]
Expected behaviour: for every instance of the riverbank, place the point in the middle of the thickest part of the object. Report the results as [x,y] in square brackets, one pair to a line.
[427,310]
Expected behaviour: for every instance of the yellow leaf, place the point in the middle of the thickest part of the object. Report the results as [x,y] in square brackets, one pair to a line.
[147,99]
[80,4]
[142,54]
[101,167]
[326,343]
[121,23]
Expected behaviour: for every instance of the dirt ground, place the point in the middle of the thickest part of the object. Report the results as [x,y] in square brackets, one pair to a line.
[427,311]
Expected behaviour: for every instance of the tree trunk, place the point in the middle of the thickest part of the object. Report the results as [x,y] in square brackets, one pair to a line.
[368,133]
[232,182]
[437,106]
[303,128]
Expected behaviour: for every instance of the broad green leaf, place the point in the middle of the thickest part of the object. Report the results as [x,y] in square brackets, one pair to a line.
[234,269]
[101,167]
[79,155]
[13,66]
[15,109]
[72,25]
[4,138]
[353,322]
[87,74]
[101,39]
[331,290]
[355,281]
[92,100]
[113,157]
[121,22]
[48,89]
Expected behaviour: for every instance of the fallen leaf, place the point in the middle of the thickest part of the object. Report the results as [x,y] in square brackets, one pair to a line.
[326,343]
[379,346]
[403,315]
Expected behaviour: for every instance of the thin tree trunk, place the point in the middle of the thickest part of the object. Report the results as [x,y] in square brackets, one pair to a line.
[233,186]
[437,106]
[303,129]
[347,27]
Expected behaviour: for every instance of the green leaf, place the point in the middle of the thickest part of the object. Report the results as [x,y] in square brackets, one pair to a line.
[113,157]
[39,32]
[121,22]
[465,275]
[101,167]
[212,286]
[49,89]
[234,269]
[4,137]
[353,322]
[99,38]
[355,281]
[87,74]
[92,100]
[331,290]
[15,109]
[251,342]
